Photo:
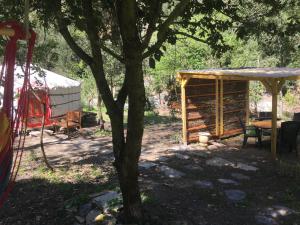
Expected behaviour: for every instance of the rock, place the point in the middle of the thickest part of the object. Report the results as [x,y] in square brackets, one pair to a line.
[90,217]
[277,211]
[228,181]
[218,161]
[245,167]
[212,147]
[218,144]
[147,165]
[240,176]
[235,195]
[198,148]
[263,220]
[84,209]
[162,158]
[79,219]
[180,148]
[170,172]
[193,167]
[204,184]
[103,200]
[181,156]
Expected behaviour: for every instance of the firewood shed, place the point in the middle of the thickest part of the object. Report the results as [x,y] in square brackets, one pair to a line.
[213,100]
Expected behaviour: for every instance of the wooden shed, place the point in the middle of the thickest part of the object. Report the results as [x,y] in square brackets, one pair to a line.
[215,106]
[214,99]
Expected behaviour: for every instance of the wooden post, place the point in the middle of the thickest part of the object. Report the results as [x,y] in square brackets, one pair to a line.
[247,104]
[183,111]
[217,108]
[221,108]
[274,87]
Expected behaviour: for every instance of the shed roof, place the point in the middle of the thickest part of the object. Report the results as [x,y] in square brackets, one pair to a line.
[244,73]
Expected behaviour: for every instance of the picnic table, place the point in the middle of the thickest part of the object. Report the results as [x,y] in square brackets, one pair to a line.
[265,124]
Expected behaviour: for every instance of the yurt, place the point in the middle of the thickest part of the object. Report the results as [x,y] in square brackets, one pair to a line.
[50,91]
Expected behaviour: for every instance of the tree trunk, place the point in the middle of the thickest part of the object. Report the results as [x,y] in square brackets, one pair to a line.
[128,170]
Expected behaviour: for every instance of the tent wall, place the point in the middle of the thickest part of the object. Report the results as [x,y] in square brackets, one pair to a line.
[214,106]
[64,99]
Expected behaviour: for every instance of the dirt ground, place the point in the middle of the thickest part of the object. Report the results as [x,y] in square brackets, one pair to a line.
[182,185]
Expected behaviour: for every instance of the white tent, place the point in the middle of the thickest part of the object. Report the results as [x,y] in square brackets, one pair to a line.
[63,92]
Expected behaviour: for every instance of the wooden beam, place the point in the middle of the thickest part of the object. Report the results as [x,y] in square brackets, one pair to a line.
[221,107]
[280,84]
[217,109]
[267,85]
[7,32]
[247,104]
[274,118]
[183,111]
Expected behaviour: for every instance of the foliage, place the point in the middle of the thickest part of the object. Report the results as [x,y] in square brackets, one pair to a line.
[290,99]
[256,91]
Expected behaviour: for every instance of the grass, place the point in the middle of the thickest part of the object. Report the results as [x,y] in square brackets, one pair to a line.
[152,118]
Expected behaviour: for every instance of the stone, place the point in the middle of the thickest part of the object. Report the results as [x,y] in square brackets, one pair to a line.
[90,217]
[204,184]
[218,161]
[245,167]
[181,156]
[180,148]
[147,165]
[264,220]
[277,211]
[228,181]
[79,219]
[193,167]
[235,195]
[198,148]
[170,172]
[240,176]
[84,209]
[218,144]
[212,147]
[103,200]
[162,158]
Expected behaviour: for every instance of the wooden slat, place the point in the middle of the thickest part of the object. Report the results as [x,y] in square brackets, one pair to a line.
[274,119]
[247,105]
[200,127]
[200,85]
[235,110]
[217,109]
[202,95]
[234,92]
[232,132]
[221,108]
[183,111]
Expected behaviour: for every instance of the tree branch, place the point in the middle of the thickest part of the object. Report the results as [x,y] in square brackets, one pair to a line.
[97,66]
[190,36]
[155,10]
[163,28]
[73,45]
[111,52]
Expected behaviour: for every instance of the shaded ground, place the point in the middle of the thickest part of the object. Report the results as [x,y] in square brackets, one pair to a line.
[83,166]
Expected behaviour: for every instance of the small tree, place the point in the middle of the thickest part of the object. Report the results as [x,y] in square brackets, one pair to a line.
[138,30]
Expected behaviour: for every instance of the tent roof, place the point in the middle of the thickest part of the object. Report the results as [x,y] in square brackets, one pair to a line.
[53,80]
[244,73]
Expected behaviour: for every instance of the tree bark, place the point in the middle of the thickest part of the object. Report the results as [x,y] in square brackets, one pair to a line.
[128,165]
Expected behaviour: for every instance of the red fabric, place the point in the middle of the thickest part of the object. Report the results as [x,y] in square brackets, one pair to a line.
[10,158]
[35,111]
